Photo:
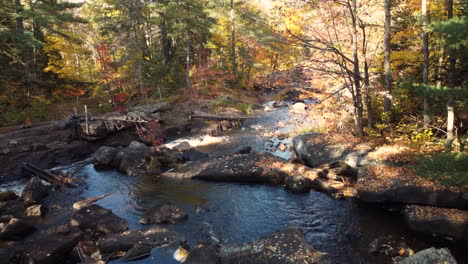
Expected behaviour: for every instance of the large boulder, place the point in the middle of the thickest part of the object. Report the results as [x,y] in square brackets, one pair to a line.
[284,246]
[312,150]
[11,209]
[252,168]
[53,246]
[154,236]
[384,184]
[34,191]
[163,213]
[98,219]
[430,256]
[440,221]
[105,155]
[132,158]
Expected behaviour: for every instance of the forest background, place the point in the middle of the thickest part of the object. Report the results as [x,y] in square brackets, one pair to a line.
[403,63]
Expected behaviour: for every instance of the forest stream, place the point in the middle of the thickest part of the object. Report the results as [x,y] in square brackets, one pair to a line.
[230,213]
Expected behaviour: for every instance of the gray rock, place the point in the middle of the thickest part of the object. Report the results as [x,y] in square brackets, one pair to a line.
[35,210]
[154,236]
[34,191]
[243,150]
[131,158]
[105,155]
[313,152]
[98,219]
[7,196]
[16,229]
[440,221]
[430,256]
[163,213]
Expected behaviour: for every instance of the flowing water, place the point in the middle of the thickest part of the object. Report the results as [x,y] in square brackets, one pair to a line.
[237,213]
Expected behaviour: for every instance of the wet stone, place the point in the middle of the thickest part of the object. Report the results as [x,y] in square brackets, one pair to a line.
[98,219]
[284,246]
[35,210]
[163,212]
[154,236]
[34,191]
[298,184]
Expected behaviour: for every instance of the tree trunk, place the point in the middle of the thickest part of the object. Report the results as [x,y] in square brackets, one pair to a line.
[366,77]
[387,69]
[187,66]
[233,43]
[165,42]
[451,85]
[425,77]
[19,18]
[356,75]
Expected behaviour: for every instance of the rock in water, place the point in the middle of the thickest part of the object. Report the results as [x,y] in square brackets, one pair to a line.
[430,256]
[440,221]
[154,236]
[35,210]
[287,246]
[163,213]
[34,191]
[202,253]
[16,229]
[131,158]
[98,219]
[105,155]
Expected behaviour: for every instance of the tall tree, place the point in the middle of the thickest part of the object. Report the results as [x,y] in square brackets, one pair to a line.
[451,85]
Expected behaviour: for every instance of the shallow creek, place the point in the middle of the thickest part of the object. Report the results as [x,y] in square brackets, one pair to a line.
[237,213]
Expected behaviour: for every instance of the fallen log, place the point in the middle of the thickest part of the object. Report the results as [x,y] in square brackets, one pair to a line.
[46,176]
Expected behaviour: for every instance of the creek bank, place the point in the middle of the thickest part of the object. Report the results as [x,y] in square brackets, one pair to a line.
[66,141]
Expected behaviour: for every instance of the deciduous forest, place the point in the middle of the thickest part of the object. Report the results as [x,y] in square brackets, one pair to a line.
[363,101]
